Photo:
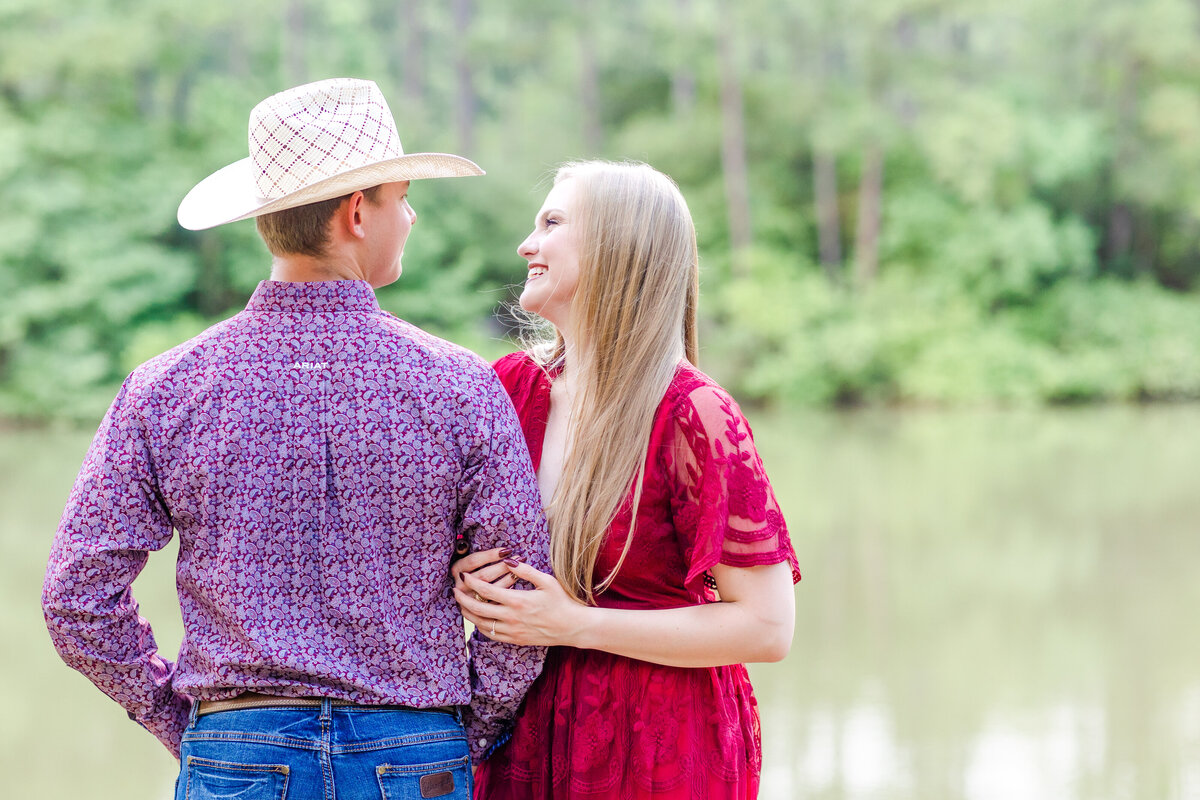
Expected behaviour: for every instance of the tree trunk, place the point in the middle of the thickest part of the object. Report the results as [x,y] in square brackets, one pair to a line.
[294,30]
[683,79]
[400,23]
[233,39]
[1119,240]
[411,21]
[466,104]
[181,99]
[733,152]
[1119,236]
[212,284]
[870,202]
[144,80]
[683,92]
[589,79]
[829,224]
[825,180]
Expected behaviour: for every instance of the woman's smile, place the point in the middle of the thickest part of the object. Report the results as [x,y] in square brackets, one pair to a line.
[552,247]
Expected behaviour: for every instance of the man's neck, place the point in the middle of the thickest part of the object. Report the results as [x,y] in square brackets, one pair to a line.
[295,268]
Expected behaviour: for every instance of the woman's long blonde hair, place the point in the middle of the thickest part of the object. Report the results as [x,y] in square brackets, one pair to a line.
[633,317]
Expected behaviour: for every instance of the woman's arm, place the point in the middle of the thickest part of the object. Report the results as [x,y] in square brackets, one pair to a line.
[753,621]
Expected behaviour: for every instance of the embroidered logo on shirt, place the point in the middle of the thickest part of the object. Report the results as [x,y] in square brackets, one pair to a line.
[310,365]
[438,784]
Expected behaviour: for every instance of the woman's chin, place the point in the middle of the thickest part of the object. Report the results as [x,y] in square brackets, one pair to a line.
[528,302]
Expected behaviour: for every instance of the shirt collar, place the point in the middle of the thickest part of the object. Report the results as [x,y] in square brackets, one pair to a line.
[315,297]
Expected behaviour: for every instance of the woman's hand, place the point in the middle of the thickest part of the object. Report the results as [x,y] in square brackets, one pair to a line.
[544,615]
[487,565]
[754,620]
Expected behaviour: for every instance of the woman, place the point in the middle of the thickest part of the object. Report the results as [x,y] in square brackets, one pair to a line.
[651,615]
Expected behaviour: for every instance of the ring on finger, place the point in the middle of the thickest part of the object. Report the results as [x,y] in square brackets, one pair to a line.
[493,628]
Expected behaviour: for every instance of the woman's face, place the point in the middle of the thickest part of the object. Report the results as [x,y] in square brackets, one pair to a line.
[552,251]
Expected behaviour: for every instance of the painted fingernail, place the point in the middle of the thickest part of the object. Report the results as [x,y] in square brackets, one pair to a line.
[505,552]
[510,562]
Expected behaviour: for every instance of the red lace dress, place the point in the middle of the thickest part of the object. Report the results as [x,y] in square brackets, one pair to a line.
[597,725]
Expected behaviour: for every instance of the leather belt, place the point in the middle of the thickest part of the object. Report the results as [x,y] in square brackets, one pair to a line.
[256,700]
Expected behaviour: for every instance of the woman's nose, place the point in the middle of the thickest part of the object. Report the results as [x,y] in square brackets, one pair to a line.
[528,247]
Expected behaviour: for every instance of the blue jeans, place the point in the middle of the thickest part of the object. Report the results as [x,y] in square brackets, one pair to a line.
[342,752]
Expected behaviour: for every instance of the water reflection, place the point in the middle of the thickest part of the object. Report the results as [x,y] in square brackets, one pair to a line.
[995,606]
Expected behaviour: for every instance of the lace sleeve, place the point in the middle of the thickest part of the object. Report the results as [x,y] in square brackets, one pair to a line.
[724,507]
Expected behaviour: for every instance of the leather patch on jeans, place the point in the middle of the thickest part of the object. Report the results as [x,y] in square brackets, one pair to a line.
[438,784]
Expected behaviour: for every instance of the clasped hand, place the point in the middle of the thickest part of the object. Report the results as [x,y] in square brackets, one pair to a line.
[543,615]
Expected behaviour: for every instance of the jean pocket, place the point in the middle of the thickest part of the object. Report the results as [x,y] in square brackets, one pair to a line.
[448,779]
[224,780]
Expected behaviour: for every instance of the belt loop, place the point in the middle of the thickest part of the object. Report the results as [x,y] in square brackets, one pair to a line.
[193,712]
[326,709]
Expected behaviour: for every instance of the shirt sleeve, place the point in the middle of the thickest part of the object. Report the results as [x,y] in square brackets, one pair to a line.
[723,505]
[113,517]
[501,507]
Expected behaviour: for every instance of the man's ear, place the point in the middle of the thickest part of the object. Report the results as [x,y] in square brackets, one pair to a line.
[349,216]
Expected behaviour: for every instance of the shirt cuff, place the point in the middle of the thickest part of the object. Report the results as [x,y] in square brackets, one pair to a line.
[168,723]
[484,735]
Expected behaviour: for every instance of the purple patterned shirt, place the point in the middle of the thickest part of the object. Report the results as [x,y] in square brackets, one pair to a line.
[317,457]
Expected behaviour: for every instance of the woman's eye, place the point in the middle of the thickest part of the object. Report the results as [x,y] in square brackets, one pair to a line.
[551,221]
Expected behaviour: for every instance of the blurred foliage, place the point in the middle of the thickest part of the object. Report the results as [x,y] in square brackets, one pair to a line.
[1038,235]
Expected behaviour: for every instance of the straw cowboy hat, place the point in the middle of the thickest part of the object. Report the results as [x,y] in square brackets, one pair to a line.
[312,143]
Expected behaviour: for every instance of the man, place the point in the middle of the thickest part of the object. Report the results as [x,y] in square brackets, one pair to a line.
[319,460]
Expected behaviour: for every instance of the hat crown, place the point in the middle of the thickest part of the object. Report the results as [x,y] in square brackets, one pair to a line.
[319,130]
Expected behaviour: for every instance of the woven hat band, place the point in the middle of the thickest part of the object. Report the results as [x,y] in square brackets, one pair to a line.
[302,136]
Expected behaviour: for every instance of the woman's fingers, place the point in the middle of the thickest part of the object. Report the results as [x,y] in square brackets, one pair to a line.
[492,572]
[472,610]
[482,616]
[486,604]
[482,589]
[477,561]
[473,602]
[474,619]
[481,558]
[539,579]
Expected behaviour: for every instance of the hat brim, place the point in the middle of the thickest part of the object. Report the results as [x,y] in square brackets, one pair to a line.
[229,194]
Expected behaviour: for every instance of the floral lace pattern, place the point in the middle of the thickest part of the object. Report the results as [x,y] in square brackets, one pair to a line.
[598,725]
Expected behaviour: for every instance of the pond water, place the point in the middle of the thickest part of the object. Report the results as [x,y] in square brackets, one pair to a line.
[995,605]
